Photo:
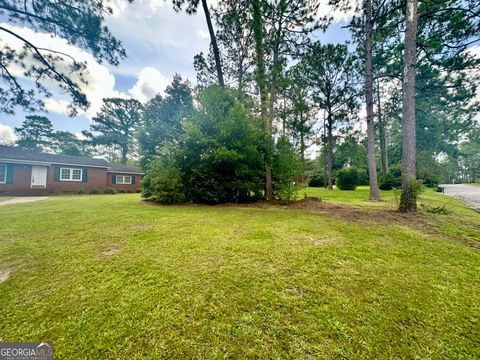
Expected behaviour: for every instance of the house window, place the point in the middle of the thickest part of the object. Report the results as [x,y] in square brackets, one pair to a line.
[123,179]
[69,174]
[3,174]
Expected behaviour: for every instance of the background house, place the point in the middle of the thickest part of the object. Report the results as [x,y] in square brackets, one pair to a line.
[24,172]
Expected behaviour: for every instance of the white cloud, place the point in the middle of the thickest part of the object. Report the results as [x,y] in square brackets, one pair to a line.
[326,10]
[203,34]
[7,135]
[150,83]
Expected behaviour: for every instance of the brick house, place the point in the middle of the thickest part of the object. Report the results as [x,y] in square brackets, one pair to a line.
[25,172]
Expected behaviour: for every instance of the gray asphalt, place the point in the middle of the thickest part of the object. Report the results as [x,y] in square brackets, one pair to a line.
[469,194]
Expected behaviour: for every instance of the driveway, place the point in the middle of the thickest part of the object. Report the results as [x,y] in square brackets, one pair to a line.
[22,200]
[469,194]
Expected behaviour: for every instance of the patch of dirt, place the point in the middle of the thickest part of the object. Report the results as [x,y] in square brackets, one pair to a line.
[296,292]
[378,216]
[316,241]
[112,250]
[141,227]
[4,275]
[7,239]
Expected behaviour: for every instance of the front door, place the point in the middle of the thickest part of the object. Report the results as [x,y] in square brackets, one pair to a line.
[39,176]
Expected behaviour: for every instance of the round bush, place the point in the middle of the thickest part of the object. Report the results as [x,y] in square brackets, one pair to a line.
[347,179]
[389,181]
[317,180]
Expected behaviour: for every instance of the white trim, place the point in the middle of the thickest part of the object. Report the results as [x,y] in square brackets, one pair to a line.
[125,172]
[4,181]
[70,178]
[123,180]
[34,162]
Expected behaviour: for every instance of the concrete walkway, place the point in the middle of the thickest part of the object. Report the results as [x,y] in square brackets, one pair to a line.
[469,194]
[22,200]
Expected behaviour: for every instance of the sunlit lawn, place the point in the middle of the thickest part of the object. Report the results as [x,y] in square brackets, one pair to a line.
[5,198]
[113,277]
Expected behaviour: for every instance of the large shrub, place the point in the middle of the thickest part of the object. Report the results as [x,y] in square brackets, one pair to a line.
[163,181]
[347,179]
[221,154]
[317,180]
[216,159]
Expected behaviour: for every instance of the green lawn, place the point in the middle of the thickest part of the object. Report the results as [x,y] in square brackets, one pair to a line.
[112,277]
[5,198]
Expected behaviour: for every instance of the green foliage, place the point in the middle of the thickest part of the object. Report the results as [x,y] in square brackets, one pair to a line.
[390,181]
[221,151]
[163,182]
[162,119]
[109,191]
[287,171]
[362,177]
[35,133]
[347,179]
[440,209]
[116,124]
[81,191]
[217,158]
[66,143]
[94,191]
[317,180]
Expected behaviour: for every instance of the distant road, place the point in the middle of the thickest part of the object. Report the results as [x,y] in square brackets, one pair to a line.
[469,194]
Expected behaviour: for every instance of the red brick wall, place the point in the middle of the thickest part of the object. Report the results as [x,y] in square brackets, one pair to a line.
[22,175]
[131,187]
[97,179]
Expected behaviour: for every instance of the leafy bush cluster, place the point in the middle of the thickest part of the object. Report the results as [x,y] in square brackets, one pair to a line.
[317,180]
[347,179]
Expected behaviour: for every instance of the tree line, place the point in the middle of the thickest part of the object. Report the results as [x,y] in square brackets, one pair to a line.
[408,66]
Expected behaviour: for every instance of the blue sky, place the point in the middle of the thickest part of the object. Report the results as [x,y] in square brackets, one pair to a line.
[159,43]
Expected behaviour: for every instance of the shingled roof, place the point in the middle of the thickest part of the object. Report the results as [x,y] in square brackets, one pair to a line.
[18,155]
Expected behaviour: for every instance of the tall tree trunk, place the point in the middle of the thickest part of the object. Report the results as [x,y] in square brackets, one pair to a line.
[262,88]
[382,134]
[408,198]
[330,151]
[325,181]
[213,39]
[124,153]
[302,148]
[372,161]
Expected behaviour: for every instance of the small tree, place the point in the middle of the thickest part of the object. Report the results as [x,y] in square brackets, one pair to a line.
[287,171]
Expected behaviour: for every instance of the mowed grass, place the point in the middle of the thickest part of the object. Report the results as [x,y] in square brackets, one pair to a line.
[112,277]
[5,198]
